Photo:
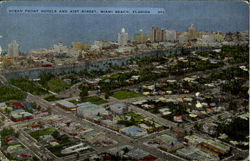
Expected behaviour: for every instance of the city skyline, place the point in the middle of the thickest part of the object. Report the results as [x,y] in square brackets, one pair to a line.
[46,30]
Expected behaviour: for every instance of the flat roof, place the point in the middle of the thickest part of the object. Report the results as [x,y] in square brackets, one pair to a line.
[167,138]
[66,103]
[90,106]
[133,130]
[119,106]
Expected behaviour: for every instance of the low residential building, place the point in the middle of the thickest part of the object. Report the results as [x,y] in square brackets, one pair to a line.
[146,127]
[165,111]
[66,105]
[140,102]
[133,131]
[3,105]
[178,119]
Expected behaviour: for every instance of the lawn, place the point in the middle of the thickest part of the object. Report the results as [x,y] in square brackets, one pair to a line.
[125,94]
[94,99]
[55,85]
[136,119]
[28,86]
[54,88]
[59,83]
[74,101]
[38,133]
[8,93]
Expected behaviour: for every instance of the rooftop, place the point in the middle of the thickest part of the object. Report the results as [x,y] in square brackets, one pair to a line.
[132,130]
[66,103]
[167,138]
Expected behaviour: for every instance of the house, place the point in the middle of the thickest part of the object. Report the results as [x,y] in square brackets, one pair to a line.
[146,127]
[92,82]
[17,104]
[165,111]
[139,102]
[11,140]
[13,148]
[66,105]
[178,119]
[150,87]
[133,131]
[3,105]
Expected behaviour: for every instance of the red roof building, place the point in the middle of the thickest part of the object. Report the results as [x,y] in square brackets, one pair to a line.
[148,158]
[17,104]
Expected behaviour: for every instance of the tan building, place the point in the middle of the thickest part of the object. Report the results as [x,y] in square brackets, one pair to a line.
[141,37]
[199,35]
[122,38]
[80,46]
[157,34]
[13,49]
[219,37]
[191,33]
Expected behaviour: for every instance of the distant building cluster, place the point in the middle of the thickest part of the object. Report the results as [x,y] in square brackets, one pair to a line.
[156,38]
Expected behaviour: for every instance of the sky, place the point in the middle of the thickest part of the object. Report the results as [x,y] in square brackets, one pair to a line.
[34,31]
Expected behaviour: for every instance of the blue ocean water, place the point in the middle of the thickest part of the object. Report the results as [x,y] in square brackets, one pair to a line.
[42,31]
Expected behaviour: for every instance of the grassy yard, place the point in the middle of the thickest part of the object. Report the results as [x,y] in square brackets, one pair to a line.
[28,86]
[59,83]
[55,85]
[125,94]
[74,101]
[94,99]
[8,93]
[38,133]
[136,119]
